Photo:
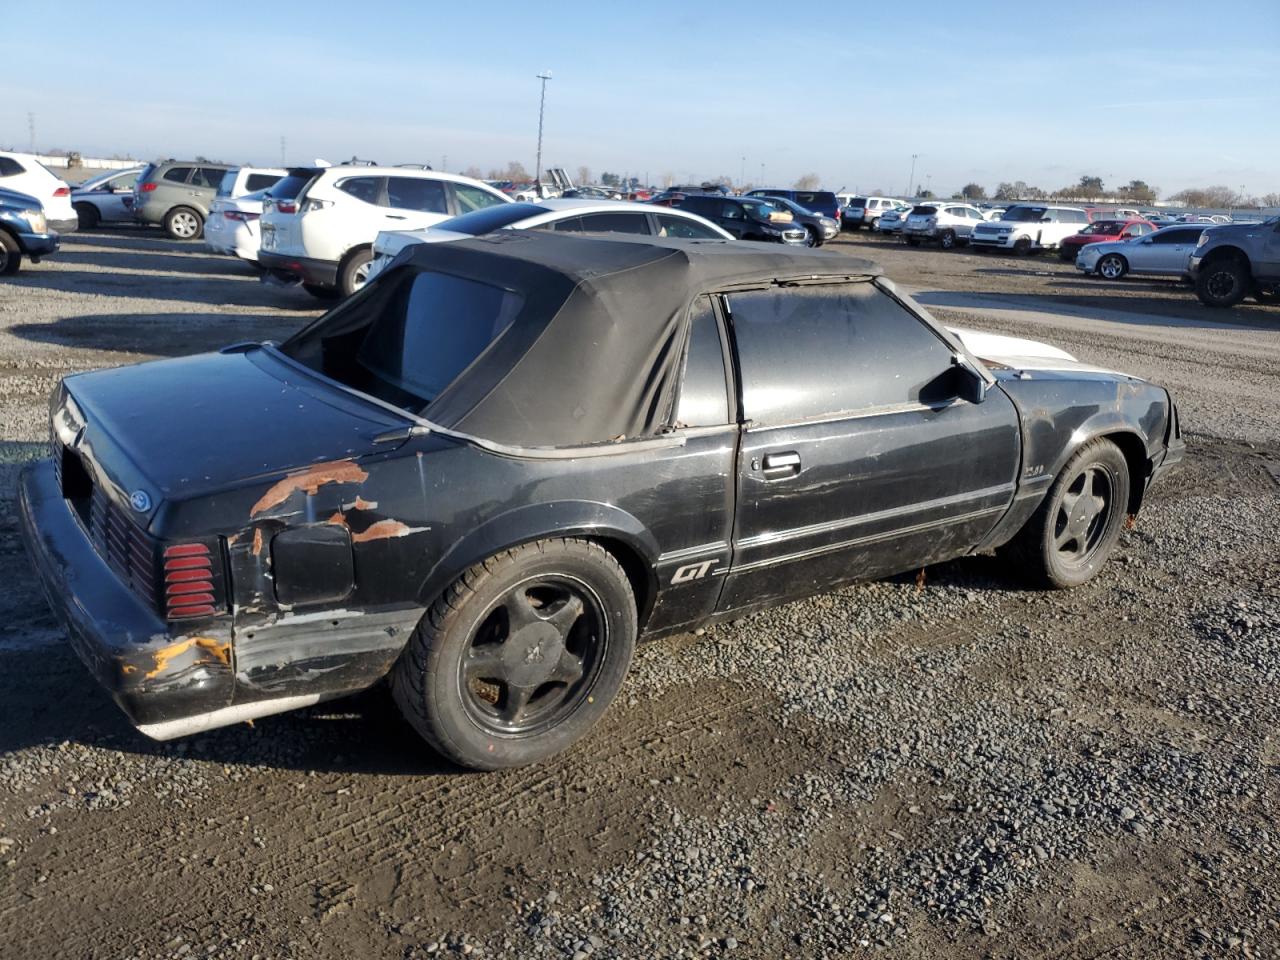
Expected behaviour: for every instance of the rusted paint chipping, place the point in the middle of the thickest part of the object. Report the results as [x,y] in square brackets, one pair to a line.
[382,530]
[337,520]
[165,655]
[362,504]
[309,480]
[257,541]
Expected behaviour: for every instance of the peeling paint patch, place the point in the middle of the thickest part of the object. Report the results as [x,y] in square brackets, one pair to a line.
[257,541]
[362,504]
[385,530]
[338,520]
[165,655]
[309,480]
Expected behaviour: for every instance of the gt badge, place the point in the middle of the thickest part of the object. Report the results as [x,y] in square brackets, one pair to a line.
[693,571]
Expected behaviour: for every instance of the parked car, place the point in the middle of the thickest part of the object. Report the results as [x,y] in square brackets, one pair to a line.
[1236,261]
[177,194]
[324,240]
[1101,231]
[866,212]
[23,173]
[423,485]
[239,181]
[951,224]
[819,228]
[1163,253]
[106,197]
[1026,227]
[563,215]
[24,231]
[821,202]
[747,218]
[893,221]
[234,215]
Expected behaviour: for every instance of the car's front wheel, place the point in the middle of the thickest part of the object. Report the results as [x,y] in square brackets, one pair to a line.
[1076,528]
[521,655]
[87,215]
[1112,267]
[811,237]
[354,272]
[183,223]
[1066,254]
[947,239]
[10,255]
[1222,282]
[1022,246]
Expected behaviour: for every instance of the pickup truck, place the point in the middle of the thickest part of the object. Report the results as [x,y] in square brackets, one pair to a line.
[1236,261]
[509,457]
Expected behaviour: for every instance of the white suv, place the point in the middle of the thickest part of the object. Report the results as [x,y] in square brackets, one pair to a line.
[950,224]
[23,173]
[1029,226]
[324,237]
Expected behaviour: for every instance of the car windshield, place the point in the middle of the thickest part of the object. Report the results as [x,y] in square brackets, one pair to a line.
[858,202]
[763,210]
[1024,214]
[409,336]
[1104,227]
[227,185]
[288,187]
[925,209]
[488,219]
[791,205]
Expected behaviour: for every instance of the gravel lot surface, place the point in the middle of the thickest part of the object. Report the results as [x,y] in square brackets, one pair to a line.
[951,766]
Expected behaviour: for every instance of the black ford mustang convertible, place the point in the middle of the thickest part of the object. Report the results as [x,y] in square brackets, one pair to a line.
[507,458]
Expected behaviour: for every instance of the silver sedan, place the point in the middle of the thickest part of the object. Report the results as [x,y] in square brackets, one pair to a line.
[1163,253]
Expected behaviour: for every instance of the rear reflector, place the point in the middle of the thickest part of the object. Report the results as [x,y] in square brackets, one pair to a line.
[286,206]
[62,192]
[147,187]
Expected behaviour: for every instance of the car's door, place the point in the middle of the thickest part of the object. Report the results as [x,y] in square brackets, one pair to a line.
[413,203]
[858,457]
[111,196]
[731,216]
[1165,251]
[1269,267]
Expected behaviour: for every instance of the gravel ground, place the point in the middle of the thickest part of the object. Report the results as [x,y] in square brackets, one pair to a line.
[954,767]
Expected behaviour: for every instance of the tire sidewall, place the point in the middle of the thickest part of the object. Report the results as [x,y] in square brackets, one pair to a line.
[948,239]
[453,727]
[350,264]
[1105,454]
[12,262]
[172,214]
[1208,272]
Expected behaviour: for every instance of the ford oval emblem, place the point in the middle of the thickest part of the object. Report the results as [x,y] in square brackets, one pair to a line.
[140,501]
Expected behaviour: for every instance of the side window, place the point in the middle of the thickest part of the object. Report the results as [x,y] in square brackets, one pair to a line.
[207,177]
[669,226]
[817,351]
[260,181]
[806,200]
[616,223]
[1173,236]
[178,174]
[568,225]
[416,193]
[473,198]
[362,188]
[704,398]
[10,167]
[731,211]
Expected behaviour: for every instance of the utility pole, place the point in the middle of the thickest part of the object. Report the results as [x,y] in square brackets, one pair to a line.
[444,162]
[912,179]
[542,106]
[762,174]
[31,132]
[283,143]
[742,179]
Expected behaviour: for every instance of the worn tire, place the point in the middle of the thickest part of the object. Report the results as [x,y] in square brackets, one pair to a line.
[353,271]
[1034,552]
[426,681]
[10,255]
[87,215]
[1223,282]
[183,223]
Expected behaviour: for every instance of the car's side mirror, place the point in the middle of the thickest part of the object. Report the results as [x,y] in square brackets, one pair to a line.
[1046,220]
[970,384]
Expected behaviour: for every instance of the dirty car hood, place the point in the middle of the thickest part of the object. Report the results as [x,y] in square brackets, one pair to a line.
[1020,353]
[186,427]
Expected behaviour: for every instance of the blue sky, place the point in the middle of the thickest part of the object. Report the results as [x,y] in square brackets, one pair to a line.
[1177,94]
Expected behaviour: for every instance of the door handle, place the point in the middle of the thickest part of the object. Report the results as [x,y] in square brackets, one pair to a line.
[779,465]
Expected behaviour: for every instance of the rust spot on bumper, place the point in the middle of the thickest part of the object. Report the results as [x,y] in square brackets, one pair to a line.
[257,541]
[220,652]
[382,530]
[309,480]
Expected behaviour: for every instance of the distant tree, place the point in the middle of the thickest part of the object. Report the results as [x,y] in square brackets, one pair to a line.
[1018,190]
[1090,187]
[473,172]
[810,181]
[926,194]
[1137,191]
[973,191]
[514,171]
[610,179]
[1269,200]
[584,174]
[1208,197]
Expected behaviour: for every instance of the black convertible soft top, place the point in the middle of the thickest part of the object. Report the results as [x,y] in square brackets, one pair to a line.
[595,352]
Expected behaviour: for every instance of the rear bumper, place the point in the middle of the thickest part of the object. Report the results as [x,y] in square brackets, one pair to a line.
[64,226]
[323,273]
[155,675]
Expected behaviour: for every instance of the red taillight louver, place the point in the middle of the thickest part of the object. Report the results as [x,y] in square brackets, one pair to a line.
[189,581]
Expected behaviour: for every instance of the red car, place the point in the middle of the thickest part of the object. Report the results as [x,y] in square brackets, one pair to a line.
[1100,231]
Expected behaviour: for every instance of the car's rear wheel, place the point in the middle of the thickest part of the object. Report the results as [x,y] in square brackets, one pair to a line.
[1222,282]
[875,223]
[183,223]
[1022,246]
[87,215]
[1076,528]
[353,274]
[521,655]
[811,237]
[10,255]
[947,239]
[1112,267]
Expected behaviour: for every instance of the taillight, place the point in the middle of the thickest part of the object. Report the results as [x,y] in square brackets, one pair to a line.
[62,192]
[189,579]
[286,206]
[147,187]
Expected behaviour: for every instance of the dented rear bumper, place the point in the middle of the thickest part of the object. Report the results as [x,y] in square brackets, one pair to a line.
[156,674]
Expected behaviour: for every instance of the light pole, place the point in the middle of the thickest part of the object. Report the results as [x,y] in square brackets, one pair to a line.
[912,179]
[762,174]
[542,106]
[742,178]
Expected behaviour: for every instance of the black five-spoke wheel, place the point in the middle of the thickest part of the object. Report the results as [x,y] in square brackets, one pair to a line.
[1083,511]
[521,655]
